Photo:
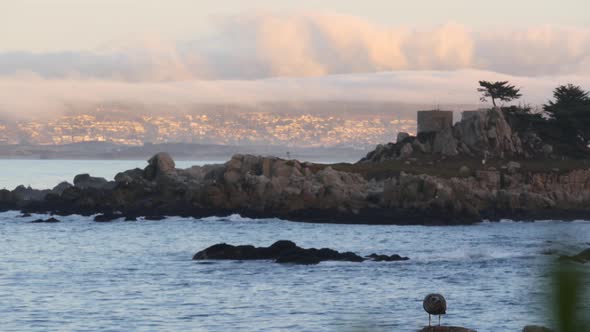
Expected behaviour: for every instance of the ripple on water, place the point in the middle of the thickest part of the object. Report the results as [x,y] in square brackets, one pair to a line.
[82,275]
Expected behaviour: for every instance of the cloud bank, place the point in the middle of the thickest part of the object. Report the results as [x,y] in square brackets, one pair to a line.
[263,45]
[306,56]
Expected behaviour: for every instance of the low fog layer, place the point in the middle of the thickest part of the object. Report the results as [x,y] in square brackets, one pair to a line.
[35,96]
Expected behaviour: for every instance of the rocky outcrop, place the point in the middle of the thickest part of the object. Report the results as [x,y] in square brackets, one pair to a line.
[488,133]
[160,165]
[483,134]
[258,186]
[284,252]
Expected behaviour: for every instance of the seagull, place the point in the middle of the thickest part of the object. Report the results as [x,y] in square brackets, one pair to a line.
[435,304]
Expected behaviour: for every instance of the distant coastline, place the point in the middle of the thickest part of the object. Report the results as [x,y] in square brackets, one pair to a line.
[180,151]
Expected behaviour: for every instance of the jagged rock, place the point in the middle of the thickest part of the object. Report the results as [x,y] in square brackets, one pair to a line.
[401,136]
[488,132]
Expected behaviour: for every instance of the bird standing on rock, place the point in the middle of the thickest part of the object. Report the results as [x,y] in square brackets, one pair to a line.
[435,304]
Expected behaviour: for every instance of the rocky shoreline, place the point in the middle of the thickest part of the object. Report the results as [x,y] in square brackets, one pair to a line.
[267,187]
[480,169]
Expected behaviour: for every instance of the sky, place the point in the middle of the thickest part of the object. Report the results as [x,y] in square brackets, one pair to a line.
[57,25]
[59,52]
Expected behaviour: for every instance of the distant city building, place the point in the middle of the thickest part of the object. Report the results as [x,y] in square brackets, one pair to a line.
[434,121]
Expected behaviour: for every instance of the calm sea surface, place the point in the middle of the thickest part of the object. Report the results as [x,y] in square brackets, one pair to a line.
[79,275]
[45,174]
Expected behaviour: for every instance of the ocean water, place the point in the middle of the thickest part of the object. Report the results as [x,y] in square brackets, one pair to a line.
[79,275]
[45,174]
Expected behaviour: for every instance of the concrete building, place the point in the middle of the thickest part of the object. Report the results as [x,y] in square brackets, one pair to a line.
[434,121]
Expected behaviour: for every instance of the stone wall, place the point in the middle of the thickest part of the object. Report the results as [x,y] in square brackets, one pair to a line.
[434,121]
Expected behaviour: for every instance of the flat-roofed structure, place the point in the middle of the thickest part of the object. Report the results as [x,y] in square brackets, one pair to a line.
[434,121]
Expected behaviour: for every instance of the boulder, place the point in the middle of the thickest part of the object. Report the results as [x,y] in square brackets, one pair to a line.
[59,189]
[85,181]
[160,164]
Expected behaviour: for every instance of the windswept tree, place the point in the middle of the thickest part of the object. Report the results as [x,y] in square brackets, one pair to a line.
[570,111]
[500,90]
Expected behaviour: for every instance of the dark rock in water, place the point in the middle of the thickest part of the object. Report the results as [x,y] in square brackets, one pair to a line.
[385,258]
[298,257]
[154,218]
[42,221]
[535,328]
[281,251]
[25,215]
[130,218]
[582,257]
[107,217]
[446,329]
